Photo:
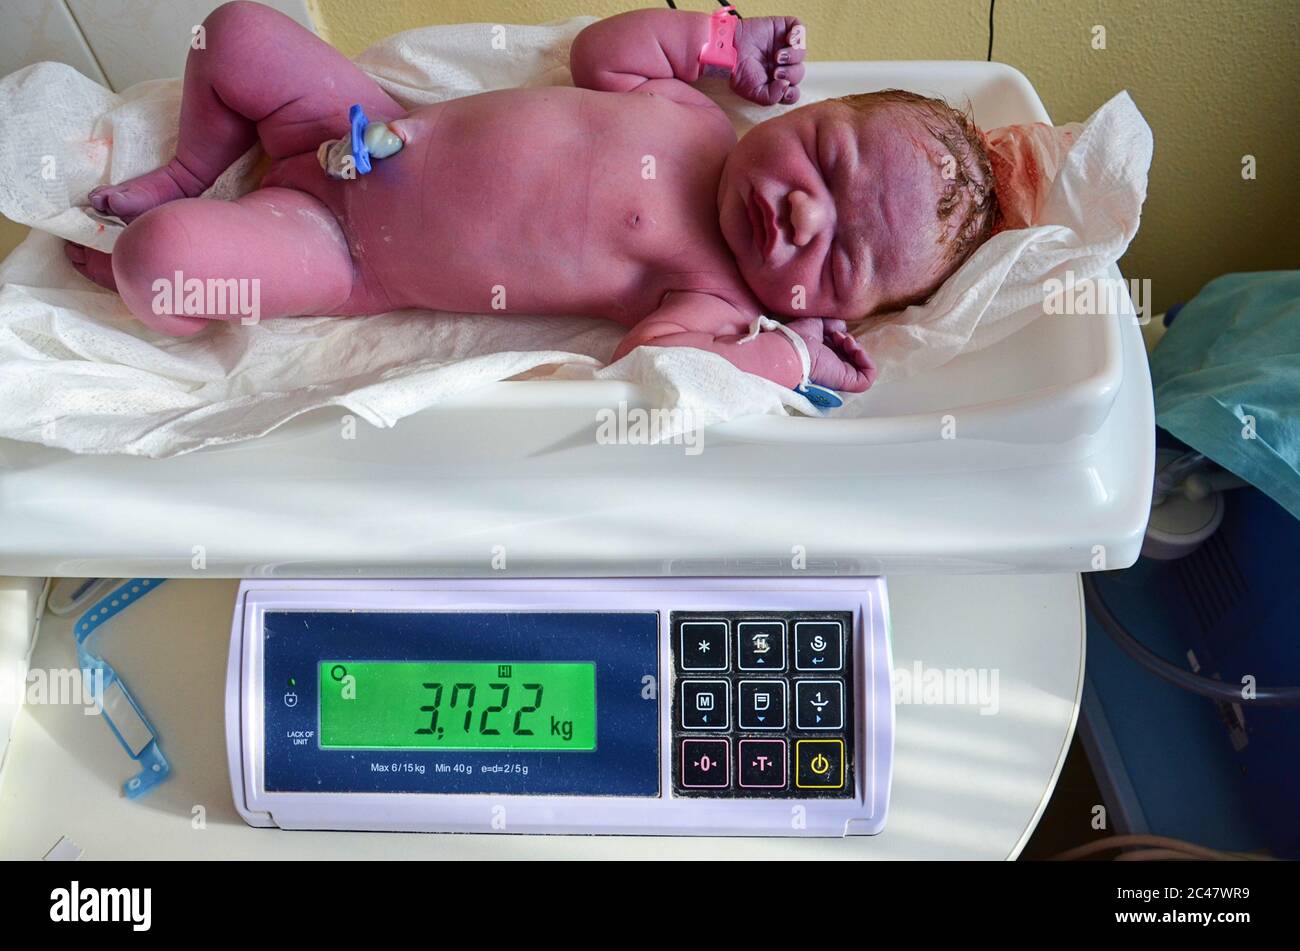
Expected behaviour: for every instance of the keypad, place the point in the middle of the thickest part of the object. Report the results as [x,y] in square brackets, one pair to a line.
[763,704]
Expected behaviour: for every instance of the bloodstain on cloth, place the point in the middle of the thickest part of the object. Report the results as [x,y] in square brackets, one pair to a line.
[1025,160]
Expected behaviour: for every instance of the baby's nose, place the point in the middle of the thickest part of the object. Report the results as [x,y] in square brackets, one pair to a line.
[808,217]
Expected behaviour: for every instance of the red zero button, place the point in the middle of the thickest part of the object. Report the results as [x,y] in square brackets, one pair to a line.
[705,764]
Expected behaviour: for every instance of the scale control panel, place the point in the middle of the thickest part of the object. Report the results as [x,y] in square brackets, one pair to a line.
[674,706]
[763,704]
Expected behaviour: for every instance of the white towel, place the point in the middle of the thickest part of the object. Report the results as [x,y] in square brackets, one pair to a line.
[76,371]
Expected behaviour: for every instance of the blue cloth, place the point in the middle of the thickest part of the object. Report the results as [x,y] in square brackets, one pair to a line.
[1227,379]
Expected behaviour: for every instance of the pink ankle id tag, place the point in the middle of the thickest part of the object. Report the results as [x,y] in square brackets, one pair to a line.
[720,51]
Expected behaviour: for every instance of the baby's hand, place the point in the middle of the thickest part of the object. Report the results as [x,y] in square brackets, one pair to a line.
[838,360]
[769,60]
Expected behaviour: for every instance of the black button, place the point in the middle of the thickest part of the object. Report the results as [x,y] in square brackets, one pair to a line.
[819,704]
[703,645]
[819,764]
[818,645]
[760,645]
[762,704]
[704,764]
[761,764]
[704,704]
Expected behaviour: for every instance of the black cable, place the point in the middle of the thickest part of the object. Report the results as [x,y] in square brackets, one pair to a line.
[992,4]
[1204,686]
[724,3]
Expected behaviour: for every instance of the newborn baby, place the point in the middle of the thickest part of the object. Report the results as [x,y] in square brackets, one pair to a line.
[627,197]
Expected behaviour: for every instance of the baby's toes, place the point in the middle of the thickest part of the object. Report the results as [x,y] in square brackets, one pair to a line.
[120,201]
[91,264]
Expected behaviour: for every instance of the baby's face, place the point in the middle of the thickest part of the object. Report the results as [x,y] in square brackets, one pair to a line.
[838,202]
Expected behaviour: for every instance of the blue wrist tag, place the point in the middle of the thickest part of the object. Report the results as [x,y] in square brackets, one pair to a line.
[118,707]
[820,396]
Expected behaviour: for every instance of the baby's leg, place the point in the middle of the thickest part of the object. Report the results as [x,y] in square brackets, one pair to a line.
[259,74]
[276,252]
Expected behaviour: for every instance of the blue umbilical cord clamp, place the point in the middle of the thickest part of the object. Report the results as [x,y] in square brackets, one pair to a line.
[111,695]
[360,153]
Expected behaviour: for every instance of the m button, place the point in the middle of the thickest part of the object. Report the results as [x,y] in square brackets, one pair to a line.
[704,704]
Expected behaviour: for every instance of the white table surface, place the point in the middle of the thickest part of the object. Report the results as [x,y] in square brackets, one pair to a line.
[966,785]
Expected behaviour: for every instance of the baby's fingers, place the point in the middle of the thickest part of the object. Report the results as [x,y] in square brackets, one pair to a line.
[791,74]
[795,38]
[775,91]
[789,56]
[854,354]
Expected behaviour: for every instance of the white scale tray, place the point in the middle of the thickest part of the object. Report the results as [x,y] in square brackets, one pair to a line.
[1052,466]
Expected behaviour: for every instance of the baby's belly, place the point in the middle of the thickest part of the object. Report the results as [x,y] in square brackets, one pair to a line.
[505,202]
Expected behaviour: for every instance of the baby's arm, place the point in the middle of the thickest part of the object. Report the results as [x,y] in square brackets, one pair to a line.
[626,52]
[709,323]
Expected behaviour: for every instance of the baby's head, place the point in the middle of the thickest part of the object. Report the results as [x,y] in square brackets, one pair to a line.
[868,203]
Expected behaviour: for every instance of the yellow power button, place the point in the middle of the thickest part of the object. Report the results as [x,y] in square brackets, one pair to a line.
[819,764]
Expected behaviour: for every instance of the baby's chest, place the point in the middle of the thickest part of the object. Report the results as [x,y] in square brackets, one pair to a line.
[653,194]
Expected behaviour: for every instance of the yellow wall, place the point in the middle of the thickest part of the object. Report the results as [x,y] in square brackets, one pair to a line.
[1217,80]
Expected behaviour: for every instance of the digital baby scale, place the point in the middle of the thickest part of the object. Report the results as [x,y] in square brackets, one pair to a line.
[681,706]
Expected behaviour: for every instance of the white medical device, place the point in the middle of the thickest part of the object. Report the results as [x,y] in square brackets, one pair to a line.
[671,706]
[1033,455]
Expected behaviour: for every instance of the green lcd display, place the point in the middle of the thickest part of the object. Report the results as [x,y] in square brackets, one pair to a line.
[455,705]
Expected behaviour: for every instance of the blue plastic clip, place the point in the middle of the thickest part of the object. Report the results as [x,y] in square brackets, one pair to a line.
[819,396]
[119,709]
[360,154]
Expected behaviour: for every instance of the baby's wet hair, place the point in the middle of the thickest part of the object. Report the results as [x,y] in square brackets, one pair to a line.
[968,203]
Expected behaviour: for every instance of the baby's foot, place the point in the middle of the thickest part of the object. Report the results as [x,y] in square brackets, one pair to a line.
[91,264]
[130,199]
